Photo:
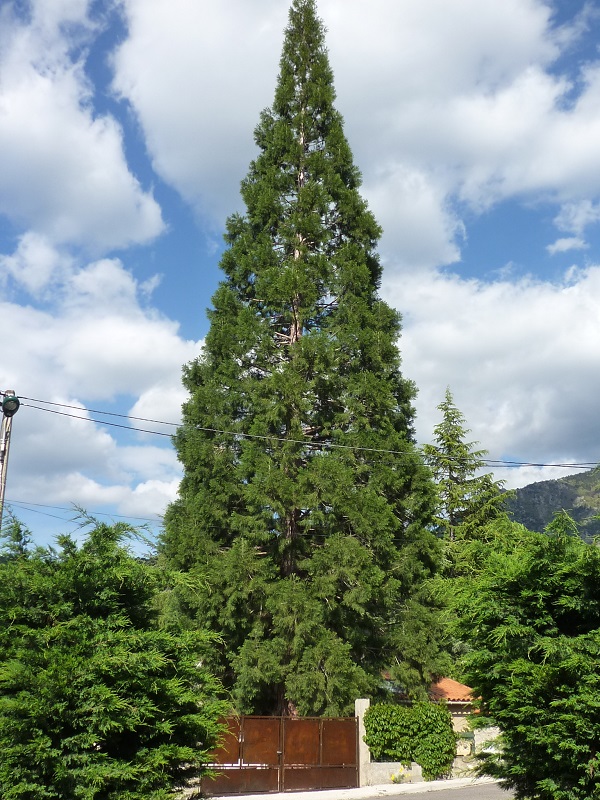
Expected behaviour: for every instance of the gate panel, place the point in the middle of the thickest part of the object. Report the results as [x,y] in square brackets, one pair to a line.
[229,751]
[242,780]
[261,738]
[301,779]
[338,778]
[300,741]
[320,754]
[339,741]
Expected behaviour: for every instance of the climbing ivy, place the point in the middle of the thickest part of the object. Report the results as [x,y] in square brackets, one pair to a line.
[435,744]
[421,732]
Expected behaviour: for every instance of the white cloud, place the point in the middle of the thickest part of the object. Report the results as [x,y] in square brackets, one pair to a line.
[419,228]
[574,217]
[63,172]
[197,83]
[463,91]
[95,344]
[149,462]
[516,477]
[35,264]
[566,244]
[520,358]
[433,48]
[63,461]
[49,17]
[161,402]
[445,103]
[150,497]
[98,342]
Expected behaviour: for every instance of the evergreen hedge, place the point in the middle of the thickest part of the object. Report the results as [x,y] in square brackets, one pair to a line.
[96,701]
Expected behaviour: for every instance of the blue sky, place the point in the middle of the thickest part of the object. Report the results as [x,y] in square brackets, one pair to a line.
[125,129]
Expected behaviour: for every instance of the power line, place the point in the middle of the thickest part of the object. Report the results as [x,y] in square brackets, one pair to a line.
[26,506]
[100,421]
[498,463]
[96,411]
[239,434]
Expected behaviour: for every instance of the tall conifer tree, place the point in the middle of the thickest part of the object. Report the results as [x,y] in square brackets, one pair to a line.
[304,504]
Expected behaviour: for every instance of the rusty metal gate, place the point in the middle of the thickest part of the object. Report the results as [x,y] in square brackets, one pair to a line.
[284,754]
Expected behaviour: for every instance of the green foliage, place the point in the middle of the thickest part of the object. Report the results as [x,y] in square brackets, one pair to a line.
[15,538]
[422,642]
[421,732]
[533,621]
[96,702]
[467,501]
[307,544]
[390,732]
[435,747]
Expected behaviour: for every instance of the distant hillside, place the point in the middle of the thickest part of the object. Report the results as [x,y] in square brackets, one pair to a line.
[578,495]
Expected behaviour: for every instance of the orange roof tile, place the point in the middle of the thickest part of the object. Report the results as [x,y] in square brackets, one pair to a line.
[450,690]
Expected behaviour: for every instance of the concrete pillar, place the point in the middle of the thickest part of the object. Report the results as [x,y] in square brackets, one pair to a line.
[364,754]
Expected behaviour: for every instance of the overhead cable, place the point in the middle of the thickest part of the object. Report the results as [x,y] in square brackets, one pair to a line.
[498,463]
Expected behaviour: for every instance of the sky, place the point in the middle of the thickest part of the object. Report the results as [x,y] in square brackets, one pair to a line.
[126,127]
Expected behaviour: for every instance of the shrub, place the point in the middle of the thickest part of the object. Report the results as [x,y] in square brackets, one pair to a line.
[97,703]
[435,743]
[390,732]
[421,732]
[532,620]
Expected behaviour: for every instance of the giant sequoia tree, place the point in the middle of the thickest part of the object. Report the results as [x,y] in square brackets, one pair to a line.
[304,504]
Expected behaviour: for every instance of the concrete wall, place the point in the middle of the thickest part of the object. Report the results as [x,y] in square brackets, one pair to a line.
[391,772]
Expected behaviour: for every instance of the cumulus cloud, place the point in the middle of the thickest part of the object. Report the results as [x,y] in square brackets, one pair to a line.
[98,338]
[565,244]
[447,104]
[152,496]
[574,217]
[185,70]
[467,90]
[63,172]
[419,227]
[96,343]
[35,264]
[161,402]
[520,358]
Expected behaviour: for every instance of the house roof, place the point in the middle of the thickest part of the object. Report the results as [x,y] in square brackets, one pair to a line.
[451,691]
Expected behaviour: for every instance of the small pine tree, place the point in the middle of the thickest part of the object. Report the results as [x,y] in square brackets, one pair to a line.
[467,501]
[305,505]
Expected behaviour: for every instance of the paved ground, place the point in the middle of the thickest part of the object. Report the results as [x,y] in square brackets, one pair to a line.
[456,789]
[488,791]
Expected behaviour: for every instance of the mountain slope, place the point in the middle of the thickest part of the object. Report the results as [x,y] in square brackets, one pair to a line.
[579,495]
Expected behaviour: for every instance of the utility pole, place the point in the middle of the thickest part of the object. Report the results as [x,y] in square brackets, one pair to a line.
[10,406]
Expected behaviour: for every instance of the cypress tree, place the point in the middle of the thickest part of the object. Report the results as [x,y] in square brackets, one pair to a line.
[304,504]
